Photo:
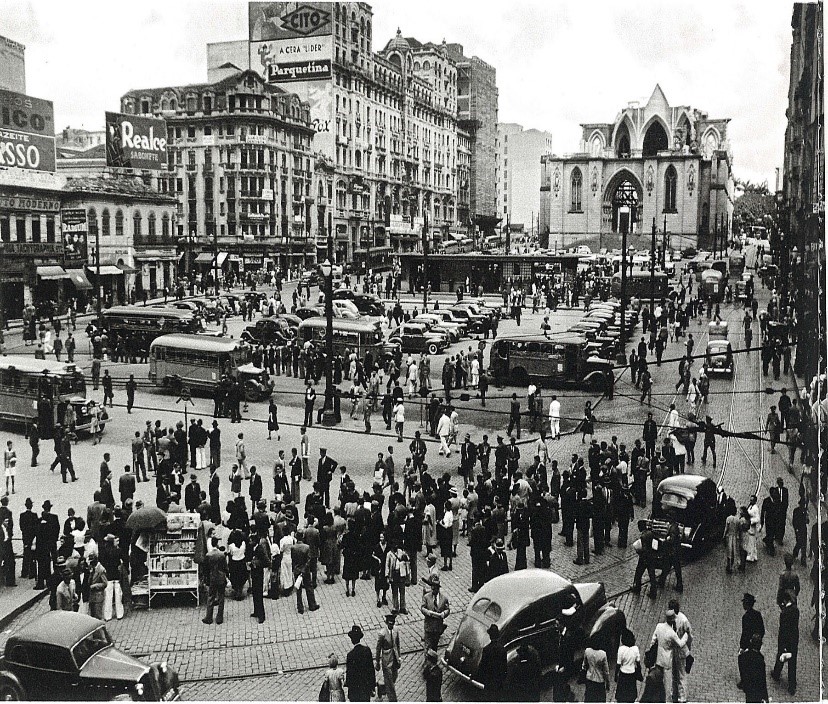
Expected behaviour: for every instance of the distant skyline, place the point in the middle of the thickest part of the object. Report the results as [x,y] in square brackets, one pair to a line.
[558,63]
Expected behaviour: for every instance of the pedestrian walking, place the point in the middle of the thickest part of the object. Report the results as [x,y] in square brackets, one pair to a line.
[753,671]
[435,609]
[595,672]
[387,658]
[492,672]
[787,641]
[215,567]
[628,668]
[666,642]
[131,386]
[360,677]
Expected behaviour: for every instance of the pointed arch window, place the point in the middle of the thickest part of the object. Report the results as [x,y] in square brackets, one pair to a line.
[670,179]
[575,191]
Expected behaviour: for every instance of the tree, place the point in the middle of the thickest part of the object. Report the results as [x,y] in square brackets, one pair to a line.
[755,205]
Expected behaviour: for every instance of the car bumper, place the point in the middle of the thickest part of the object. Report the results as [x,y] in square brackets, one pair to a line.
[461,675]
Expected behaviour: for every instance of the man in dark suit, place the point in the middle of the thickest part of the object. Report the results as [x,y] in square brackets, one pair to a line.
[313,541]
[192,494]
[214,489]
[300,554]
[752,671]
[493,670]
[48,530]
[324,473]
[468,458]
[479,550]
[788,641]
[28,532]
[650,435]
[360,678]
[255,490]
[126,484]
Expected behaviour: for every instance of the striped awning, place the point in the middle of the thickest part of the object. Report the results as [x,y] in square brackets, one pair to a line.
[78,279]
[52,273]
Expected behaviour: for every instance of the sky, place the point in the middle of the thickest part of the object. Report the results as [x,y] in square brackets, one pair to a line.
[559,63]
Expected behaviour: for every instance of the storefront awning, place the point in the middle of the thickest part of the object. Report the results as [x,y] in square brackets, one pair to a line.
[221,257]
[51,273]
[156,255]
[204,258]
[456,236]
[78,278]
[126,268]
[107,270]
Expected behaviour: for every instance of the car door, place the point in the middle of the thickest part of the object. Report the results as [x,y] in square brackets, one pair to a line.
[54,675]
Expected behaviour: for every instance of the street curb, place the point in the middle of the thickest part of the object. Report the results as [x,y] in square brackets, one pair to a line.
[6,619]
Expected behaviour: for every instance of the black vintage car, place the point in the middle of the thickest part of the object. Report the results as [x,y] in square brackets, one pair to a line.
[538,608]
[691,501]
[265,331]
[68,656]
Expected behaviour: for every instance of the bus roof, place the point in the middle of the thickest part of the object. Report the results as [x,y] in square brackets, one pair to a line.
[565,338]
[641,274]
[340,324]
[30,365]
[149,312]
[201,343]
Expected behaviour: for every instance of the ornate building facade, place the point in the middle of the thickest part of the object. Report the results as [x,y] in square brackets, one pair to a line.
[654,162]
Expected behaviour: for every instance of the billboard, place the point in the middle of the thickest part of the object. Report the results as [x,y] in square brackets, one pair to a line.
[27,132]
[291,45]
[75,231]
[135,142]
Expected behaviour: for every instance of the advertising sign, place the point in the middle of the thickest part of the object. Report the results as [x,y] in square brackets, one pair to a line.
[291,44]
[288,20]
[75,233]
[27,132]
[135,142]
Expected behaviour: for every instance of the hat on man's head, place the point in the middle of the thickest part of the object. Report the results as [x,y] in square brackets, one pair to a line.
[355,634]
[47,504]
[432,580]
[749,598]
[29,503]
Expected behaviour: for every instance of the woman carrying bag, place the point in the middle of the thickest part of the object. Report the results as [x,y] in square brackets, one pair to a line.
[333,682]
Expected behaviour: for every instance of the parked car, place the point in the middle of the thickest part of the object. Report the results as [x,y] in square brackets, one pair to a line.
[474,323]
[418,337]
[266,331]
[690,500]
[539,608]
[319,310]
[452,330]
[367,303]
[309,278]
[65,655]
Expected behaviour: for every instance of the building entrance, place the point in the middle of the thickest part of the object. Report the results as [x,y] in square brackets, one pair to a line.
[625,208]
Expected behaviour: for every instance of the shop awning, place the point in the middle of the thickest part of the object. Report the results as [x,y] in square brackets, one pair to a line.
[204,258]
[51,273]
[107,270]
[221,257]
[78,278]
[456,236]
[156,255]
[126,268]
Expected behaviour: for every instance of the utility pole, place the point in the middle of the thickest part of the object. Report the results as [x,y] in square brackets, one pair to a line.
[664,246]
[425,259]
[215,259]
[98,274]
[652,273]
[622,352]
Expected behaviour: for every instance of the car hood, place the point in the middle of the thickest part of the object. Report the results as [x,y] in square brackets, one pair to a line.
[113,664]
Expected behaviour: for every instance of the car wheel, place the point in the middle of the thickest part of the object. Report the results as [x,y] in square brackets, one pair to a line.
[432,348]
[10,691]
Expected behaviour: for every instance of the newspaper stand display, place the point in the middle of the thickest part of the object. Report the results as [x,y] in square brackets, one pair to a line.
[170,561]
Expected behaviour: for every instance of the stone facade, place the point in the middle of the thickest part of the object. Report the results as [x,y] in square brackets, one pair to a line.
[654,162]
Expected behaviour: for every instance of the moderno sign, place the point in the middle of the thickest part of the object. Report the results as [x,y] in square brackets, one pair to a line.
[27,132]
[135,142]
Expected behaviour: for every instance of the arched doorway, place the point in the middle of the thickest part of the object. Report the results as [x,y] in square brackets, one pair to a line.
[622,203]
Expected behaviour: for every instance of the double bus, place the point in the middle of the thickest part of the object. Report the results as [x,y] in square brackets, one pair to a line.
[358,336]
[139,326]
[199,362]
[641,287]
[560,360]
[41,390]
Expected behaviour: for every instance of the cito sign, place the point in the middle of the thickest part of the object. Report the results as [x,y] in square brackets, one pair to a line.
[27,132]
[135,142]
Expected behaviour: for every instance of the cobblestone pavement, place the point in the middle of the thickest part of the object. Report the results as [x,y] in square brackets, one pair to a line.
[285,657]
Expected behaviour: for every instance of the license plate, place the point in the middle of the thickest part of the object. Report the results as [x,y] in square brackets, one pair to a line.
[464,650]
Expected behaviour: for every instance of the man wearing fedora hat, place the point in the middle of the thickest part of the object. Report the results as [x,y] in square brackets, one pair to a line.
[387,657]
[48,530]
[493,670]
[360,678]
[498,561]
[436,610]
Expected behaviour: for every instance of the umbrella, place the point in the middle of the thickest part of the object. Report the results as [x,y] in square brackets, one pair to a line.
[146,518]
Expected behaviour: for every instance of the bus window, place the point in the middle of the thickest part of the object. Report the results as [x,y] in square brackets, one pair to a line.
[502,350]
[533,348]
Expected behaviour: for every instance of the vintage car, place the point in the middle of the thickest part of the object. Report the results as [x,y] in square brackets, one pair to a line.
[474,323]
[366,303]
[719,354]
[538,608]
[711,286]
[266,331]
[450,330]
[63,655]
[690,501]
[419,337]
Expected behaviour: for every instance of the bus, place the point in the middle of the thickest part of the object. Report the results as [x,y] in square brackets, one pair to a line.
[139,325]
[560,360]
[41,390]
[199,362]
[641,287]
[358,336]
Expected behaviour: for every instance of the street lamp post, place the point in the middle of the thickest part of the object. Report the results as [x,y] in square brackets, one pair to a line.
[425,260]
[215,259]
[652,273]
[326,269]
[622,353]
[98,275]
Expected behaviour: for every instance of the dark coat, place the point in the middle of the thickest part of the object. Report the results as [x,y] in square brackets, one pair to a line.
[360,677]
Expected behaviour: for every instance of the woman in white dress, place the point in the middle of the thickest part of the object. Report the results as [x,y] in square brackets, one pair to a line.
[750,537]
[286,568]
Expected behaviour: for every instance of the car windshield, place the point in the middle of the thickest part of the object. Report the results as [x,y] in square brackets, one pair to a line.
[96,641]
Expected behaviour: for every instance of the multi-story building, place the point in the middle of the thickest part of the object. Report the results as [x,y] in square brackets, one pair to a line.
[656,163]
[477,104]
[518,173]
[12,65]
[240,165]
[801,240]
[392,155]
